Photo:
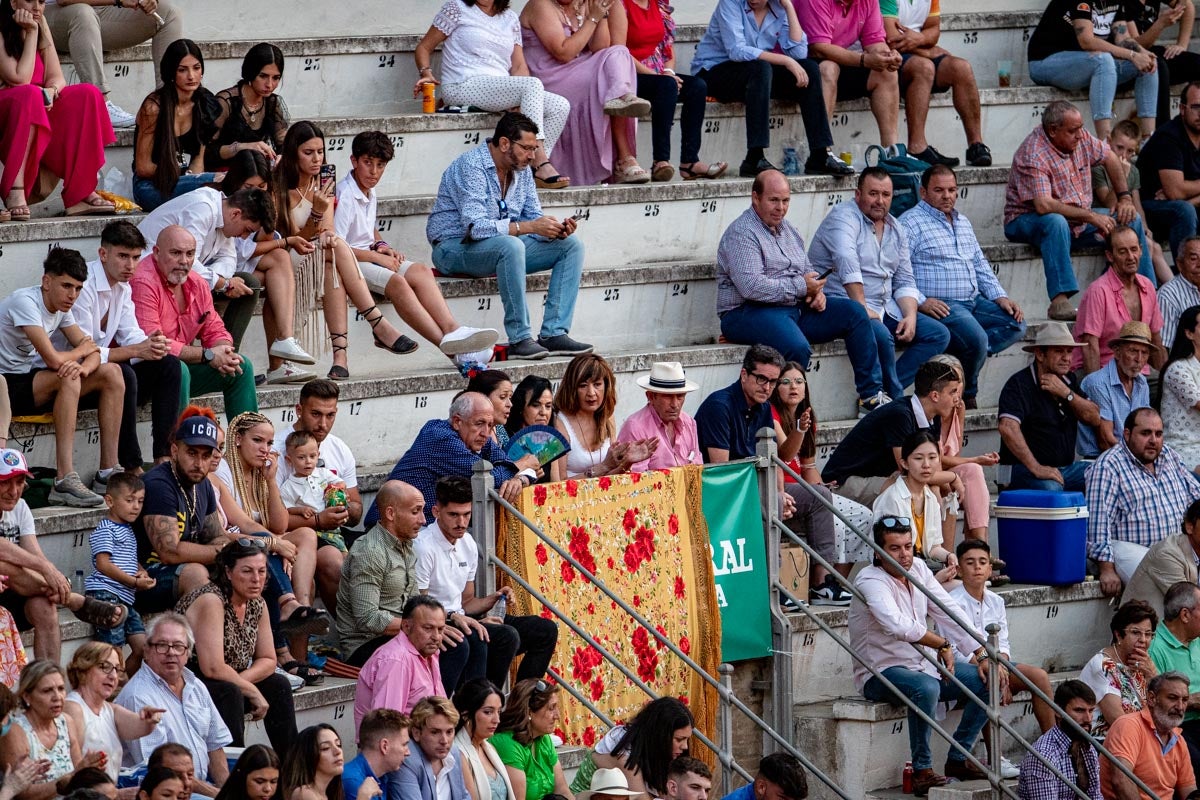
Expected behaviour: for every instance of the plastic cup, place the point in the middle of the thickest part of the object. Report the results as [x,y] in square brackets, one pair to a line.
[1004,73]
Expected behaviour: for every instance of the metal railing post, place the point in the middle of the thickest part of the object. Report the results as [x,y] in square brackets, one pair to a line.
[780,700]
[483,525]
[993,728]
[725,725]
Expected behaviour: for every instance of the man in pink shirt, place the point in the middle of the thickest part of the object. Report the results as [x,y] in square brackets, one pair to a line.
[169,297]
[663,419]
[1118,296]
[404,671]
[833,27]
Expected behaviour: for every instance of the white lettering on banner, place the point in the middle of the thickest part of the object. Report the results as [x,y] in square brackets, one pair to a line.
[721,601]
[733,562]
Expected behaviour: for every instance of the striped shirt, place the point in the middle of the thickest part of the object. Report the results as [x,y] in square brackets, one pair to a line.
[119,541]
[1129,503]
[758,265]
[1175,297]
[947,261]
[378,576]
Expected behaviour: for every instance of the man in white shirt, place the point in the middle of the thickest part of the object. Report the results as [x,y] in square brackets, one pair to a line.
[316,413]
[105,312]
[447,559]
[885,623]
[215,221]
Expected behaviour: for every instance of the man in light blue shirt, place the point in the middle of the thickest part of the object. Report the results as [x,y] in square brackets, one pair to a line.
[866,249]
[1118,388]
[957,285]
[487,221]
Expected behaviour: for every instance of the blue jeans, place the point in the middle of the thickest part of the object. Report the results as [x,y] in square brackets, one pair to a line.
[789,331]
[1051,234]
[925,691]
[1100,74]
[979,328]
[147,195]
[930,339]
[1176,218]
[510,259]
[1073,475]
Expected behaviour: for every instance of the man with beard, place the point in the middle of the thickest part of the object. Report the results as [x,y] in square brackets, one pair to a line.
[1118,387]
[1176,647]
[169,297]
[1066,749]
[1137,493]
[867,250]
[1151,745]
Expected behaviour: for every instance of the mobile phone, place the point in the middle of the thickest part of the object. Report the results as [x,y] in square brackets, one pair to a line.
[328,175]
[576,220]
[825,274]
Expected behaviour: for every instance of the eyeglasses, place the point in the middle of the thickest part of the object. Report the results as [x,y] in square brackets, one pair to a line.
[541,686]
[526,148]
[763,380]
[791,381]
[173,648]
[892,523]
[107,668]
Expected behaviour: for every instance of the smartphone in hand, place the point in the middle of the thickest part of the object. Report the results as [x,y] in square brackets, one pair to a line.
[327,176]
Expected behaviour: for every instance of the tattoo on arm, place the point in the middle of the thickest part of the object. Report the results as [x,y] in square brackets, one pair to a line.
[212,529]
[163,533]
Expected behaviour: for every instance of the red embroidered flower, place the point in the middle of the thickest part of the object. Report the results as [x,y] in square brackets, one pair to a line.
[605,483]
[673,524]
[635,476]
[545,613]
[685,645]
[611,564]
[572,488]
[630,520]
[541,555]
[539,495]
[679,587]
[567,572]
[597,687]
[589,734]
[633,558]
[591,608]
[640,640]
[637,601]
[683,698]
[658,643]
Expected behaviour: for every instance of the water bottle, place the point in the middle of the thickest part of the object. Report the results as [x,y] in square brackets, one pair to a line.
[498,611]
[791,164]
[907,778]
[77,584]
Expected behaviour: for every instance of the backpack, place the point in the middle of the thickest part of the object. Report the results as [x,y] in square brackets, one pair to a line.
[906,177]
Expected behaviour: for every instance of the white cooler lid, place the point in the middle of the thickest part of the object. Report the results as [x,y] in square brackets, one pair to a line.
[1040,514]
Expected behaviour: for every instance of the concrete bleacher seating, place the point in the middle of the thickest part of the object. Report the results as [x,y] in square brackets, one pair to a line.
[648,294]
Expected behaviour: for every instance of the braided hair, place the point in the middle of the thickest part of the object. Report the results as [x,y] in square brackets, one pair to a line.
[250,484]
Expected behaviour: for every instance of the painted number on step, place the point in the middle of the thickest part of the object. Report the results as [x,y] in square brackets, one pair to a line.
[808,640]
[356,408]
[1025,34]
[339,711]
[898,727]
[612,295]
[120,70]
[312,64]
[839,120]
[1027,709]
[1,252]
[484,304]
[397,141]
[384,225]
[387,61]
[1036,112]
[815,366]
[337,143]
[650,210]
[971,37]
[825,451]
[708,206]
[966,438]
[712,126]
[582,213]
[471,138]
[1051,612]
[832,200]
[774,123]
[421,401]
[678,289]
[80,540]
[963,192]
[93,437]
[287,415]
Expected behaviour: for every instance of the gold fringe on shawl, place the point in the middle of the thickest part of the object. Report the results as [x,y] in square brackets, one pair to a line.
[646,537]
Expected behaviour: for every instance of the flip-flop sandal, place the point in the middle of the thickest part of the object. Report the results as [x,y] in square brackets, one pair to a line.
[100,614]
[311,675]
[305,621]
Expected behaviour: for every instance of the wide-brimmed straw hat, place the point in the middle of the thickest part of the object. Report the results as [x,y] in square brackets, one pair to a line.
[666,377]
[1053,334]
[608,781]
[1135,332]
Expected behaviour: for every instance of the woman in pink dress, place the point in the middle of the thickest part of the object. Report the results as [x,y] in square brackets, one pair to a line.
[568,45]
[48,131]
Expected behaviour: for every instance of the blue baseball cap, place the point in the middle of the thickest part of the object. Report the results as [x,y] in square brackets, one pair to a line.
[200,431]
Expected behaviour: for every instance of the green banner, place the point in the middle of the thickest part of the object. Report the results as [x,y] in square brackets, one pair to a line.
[731,509]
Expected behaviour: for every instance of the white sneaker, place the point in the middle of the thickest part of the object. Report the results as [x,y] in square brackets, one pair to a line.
[290,350]
[295,681]
[1009,770]
[119,117]
[289,374]
[479,358]
[468,340]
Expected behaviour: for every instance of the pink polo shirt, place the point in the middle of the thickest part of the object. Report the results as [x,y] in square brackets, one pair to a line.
[829,22]
[674,450]
[396,676]
[156,309]
[1102,312]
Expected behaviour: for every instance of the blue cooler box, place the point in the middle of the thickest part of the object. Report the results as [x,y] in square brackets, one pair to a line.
[1043,536]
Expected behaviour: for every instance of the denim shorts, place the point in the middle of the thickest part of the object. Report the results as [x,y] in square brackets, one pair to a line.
[117,636]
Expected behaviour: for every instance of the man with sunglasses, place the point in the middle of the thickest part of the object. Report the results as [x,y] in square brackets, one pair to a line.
[487,221]
[886,620]
[728,423]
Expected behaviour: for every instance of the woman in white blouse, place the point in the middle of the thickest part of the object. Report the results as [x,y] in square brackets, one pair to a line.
[483,66]
[1181,391]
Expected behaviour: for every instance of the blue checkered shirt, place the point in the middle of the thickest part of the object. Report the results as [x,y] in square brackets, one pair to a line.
[469,199]
[1128,503]
[1038,782]
[758,265]
[947,260]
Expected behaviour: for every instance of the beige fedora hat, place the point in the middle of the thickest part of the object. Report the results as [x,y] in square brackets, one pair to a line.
[1053,334]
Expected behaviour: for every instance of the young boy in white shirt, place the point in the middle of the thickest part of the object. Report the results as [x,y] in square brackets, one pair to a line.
[410,287]
[981,606]
[310,488]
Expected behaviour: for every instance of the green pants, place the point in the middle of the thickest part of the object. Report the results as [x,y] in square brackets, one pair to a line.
[237,313]
[238,390]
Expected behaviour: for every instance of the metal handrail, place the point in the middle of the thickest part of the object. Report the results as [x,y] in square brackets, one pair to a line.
[767,436]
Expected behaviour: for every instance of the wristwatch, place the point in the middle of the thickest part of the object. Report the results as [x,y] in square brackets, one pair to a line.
[1070,397]
[208,355]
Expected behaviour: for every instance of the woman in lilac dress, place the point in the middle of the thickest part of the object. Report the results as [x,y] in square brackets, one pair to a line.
[568,44]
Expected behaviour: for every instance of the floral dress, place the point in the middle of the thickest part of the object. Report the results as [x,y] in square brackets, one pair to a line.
[1108,676]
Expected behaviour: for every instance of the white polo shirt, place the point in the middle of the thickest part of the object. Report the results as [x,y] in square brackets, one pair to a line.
[443,569]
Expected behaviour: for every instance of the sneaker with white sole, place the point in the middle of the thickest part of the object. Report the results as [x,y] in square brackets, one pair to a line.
[829,593]
[119,117]
[70,491]
[465,340]
[871,403]
[100,482]
[469,361]
[290,350]
[295,681]
[1009,770]
[288,373]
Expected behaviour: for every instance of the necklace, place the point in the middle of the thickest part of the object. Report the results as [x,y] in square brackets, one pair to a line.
[251,113]
[189,504]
